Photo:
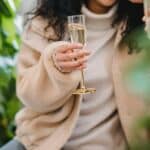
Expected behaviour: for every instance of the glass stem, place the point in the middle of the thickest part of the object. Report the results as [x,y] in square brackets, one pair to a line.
[82,80]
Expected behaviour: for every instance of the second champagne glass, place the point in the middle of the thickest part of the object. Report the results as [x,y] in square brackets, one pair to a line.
[77,31]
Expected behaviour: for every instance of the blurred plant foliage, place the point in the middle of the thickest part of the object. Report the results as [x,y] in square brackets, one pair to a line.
[137,80]
[137,73]
[9,45]
[141,136]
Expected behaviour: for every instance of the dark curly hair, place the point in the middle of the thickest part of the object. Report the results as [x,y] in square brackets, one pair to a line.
[134,35]
[56,12]
[131,12]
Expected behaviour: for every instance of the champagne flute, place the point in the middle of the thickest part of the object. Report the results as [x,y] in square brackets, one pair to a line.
[77,31]
[147,16]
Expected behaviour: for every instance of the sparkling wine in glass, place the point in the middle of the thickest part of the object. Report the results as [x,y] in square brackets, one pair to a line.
[147,16]
[77,31]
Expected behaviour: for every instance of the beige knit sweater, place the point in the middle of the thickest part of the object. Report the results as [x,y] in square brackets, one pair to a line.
[50,110]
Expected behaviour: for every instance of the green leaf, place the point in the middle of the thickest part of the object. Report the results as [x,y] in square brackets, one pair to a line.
[12,107]
[2,98]
[17,3]
[1,41]
[9,35]
[11,5]
[9,45]
[4,76]
[6,9]
[2,110]
[9,28]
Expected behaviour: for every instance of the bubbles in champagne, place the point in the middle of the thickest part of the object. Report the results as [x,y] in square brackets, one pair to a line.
[77,33]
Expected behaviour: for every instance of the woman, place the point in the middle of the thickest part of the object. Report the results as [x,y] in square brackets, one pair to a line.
[47,75]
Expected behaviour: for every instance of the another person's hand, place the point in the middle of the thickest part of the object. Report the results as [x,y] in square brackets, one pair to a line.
[147,25]
[70,57]
[136,1]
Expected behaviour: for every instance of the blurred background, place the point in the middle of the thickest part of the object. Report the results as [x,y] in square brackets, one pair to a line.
[12,17]
[11,26]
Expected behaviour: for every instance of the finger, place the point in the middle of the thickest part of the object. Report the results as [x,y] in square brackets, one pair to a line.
[80,53]
[80,67]
[84,66]
[72,55]
[83,60]
[144,18]
[72,64]
[68,47]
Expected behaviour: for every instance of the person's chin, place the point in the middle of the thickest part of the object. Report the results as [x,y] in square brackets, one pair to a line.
[107,3]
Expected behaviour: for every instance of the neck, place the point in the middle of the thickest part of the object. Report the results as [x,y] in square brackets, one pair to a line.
[96,7]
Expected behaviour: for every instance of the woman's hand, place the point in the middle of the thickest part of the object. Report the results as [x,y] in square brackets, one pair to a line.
[70,57]
[147,25]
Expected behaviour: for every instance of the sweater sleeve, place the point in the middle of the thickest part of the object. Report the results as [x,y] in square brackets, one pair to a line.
[40,86]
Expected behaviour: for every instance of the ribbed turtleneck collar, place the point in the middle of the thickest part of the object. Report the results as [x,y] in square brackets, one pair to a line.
[99,21]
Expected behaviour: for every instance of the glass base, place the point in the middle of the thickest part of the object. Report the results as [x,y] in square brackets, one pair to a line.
[84,91]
